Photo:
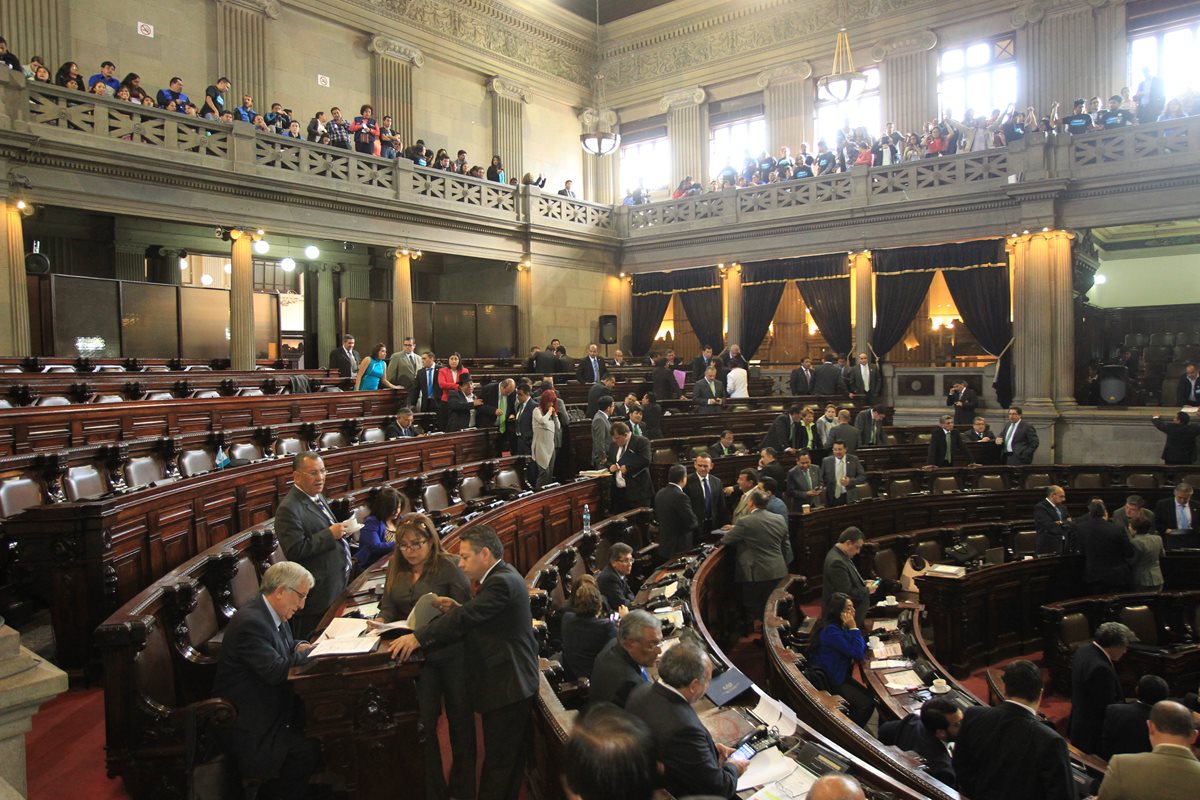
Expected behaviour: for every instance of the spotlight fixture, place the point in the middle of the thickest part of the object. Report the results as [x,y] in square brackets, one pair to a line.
[287,264]
[262,247]
[234,234]
[413,253]
[206,279]
[228,269]
[621,274]
[183,265]
[311,252]
[1101,279]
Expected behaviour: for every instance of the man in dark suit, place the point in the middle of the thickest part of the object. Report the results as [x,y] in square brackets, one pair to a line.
[1107,551]
[700,364]
[980,432]
[844,432]
[838,573]
[1124,728]
[732,357]
[496,628]
[827,378]
[1181,432]
[803,485]
[613,580]
[692,763]
[760,539]
[1094,683]
[1005,751]
[769,466]
[499,411]
[545,362]
[598,390]
[1018,441]
[840,473]
[782,433]
[869,424]
[523,420]
[865,380]
[1175,518]
[1187,391]
[709,393]
[677,522]
[311,536]
[628,460]
[266,738]
[801,380]
[723,446]
[591,368]
[403,367]
[621,666]
[345,359]
[946,447]
[427,385]
[402,425]
[465,410]
[707,495]
[927,734]
[964,402]
[1052,521]
[601,431]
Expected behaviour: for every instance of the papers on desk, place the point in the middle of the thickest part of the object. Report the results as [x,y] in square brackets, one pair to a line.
[775,715]
[344,628]
[889,650]
[666,591]
[793,787]
[374,583]
[347,646]
[903,681]
[368,610]
[675,616]
[884,625]
[890,663]
[767,767]
[423,611]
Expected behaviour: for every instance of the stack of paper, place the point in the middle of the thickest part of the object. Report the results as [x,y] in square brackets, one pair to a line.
[884,625]
[889,663]
[667,591]
[903,680]
[767,767]
[890,650]
[775,715]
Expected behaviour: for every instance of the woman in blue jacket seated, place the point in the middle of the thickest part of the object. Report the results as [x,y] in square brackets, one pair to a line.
[378,535]
[584,630]
[839,645]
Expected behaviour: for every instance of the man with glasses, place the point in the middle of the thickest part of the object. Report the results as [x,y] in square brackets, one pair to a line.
[403,368]
[613,580]
[311,535]
[623,663]
[266,738]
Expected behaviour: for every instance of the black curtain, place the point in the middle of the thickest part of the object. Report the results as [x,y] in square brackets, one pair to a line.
[763,283]
[648,312]
[898,298]
[652,294]
[703,305]
[982,297]
[828,299]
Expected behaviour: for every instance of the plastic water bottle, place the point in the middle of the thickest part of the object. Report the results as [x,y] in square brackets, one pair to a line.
[587,519]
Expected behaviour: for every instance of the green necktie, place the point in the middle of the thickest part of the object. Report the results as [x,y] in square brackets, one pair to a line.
[503,412]
[948,447]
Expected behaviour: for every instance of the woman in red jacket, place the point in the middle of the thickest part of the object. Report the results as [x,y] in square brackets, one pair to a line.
[447,380]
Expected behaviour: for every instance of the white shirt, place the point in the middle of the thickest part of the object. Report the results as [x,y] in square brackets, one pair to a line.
[865,369]
[671,688]
[489,572]
[736,383]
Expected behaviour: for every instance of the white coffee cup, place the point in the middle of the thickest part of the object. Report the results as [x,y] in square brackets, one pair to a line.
[890,600]
[874,642]
[352,525]
[806,509]
[939,686]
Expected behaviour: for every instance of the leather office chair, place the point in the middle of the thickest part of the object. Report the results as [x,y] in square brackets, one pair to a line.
[18,494]
[1141,621]
[84,483]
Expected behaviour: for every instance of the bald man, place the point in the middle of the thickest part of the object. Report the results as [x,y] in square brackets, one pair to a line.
[836,787]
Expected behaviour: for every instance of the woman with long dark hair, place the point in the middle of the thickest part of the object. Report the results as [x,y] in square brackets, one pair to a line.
[545,430]
[840,645]
[378,535]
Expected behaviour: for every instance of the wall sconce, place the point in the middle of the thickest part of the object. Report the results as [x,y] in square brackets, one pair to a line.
[525,264]
[414,254]
[27,209]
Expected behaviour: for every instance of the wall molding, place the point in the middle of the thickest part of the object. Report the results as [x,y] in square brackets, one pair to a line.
[389,46]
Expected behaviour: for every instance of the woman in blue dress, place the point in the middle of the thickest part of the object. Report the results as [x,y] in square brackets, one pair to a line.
[371,371]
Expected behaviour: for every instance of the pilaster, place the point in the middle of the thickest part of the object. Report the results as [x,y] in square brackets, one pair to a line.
[1076,49]
[1040,263]
[37,28]
[733,306]
[242,47]
[1063,312]
[508,122]
[788,98]
[326,311]
[625,315]
[863,291]
[525,338]
[392,62]
[241,305]
[402,305]
[130,260]
[688,133]
[14,291]
[908,78]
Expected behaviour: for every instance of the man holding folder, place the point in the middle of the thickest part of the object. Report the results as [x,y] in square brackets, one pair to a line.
[629,464]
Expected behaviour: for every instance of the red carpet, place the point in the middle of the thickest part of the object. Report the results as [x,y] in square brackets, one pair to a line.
[65,749]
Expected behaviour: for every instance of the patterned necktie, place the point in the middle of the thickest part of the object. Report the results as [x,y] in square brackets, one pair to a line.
[840,473]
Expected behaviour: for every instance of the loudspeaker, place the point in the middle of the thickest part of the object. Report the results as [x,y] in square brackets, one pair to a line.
[1114,384]
[37,264]
[608,329]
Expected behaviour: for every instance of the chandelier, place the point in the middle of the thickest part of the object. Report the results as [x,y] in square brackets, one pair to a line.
[844,82]
[598,139]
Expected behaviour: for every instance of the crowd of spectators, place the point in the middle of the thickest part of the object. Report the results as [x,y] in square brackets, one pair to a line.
[364,133]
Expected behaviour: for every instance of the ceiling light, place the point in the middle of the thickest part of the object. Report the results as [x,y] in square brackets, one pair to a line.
[206,279]
[311,252]
[228,269]
[287,264]
[1101,279]
[262,247]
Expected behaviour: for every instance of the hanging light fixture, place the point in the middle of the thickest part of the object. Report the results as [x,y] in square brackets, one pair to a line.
[844,82]
[598,140]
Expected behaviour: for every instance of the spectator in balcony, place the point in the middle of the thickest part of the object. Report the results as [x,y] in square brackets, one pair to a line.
[293,131]
[566,190]
[8,58]
[123,94]
[68,76]
[260,124]
[338,129]
[133,82]
[101,90]
[1078,121]
[279,118]
[389,142]
[107,76]
[686,188]
[826,160]
[173,93]
[226,116]
[378,535]
[1094,108]
[190,110]
[528,180]
[245,112]
[1114,116]
[912,149]
[316,127]
[31,68]
[766,164]
[1174,110]
[476,172]
[884,152]
[495,171]
[372,368]
[42,75]
[460,163]
[214,99]
[1127,102]
[366,131]
[1150,97]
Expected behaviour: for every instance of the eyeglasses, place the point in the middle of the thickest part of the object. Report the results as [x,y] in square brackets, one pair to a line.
[300,594]
[625,560]
[411,546]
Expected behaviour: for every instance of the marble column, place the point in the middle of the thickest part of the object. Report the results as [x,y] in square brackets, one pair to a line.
[14,291]
[402,304]
[908,79]
[392,62]
[508,123]
[625,315]
[1037,352]
[37,28]
[1062,311]
[788,98]
[524,311]
[599,183]
[863,284]
[1073,50]
[242,47]
[241,305]
[688,131]
[326,311]
[130,260]
[26,681]
[733,306]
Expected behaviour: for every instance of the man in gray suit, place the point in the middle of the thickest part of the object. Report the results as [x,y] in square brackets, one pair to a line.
[865,380]
[844,432]
[869,424]
[1169,771]
[840,575]
[345,359]
[311,536]
[709,393]
[840,473]
[804,483]
[403,366]
[761,540]
[601,430]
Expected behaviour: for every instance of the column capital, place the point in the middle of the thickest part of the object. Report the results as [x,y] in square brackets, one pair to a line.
[681,98]
[785,73]
[268,7]
[1015,240]
[503,87]
[921,41]
[398,49]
